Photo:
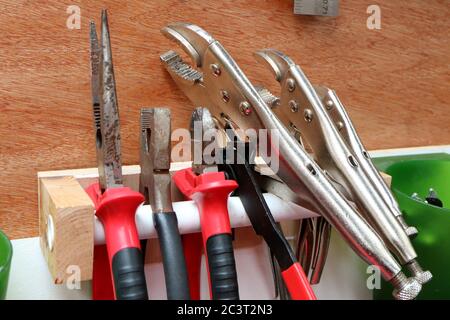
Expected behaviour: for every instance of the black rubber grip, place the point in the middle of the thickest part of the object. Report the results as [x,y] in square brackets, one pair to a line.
[175,271]
[128,274]
[222,268]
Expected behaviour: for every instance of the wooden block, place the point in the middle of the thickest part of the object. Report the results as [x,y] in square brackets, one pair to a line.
[65,206]
[66,227]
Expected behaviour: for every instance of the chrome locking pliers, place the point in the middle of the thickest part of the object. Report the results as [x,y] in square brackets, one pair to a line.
[320,117]
[216,81]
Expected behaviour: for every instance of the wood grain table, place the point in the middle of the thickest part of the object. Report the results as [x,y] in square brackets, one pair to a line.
[394,81]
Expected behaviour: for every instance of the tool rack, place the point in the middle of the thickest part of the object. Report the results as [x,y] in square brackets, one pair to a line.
[68,228]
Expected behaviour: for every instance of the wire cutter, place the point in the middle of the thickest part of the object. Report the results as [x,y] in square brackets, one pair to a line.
[215,80]
[210,190]
[155,182]
[115,204]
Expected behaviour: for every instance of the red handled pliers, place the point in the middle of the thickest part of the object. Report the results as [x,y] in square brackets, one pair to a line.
[210,191]
[115,204]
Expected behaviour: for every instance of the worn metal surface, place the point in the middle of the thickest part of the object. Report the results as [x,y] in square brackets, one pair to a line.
[105,108]
[155,150]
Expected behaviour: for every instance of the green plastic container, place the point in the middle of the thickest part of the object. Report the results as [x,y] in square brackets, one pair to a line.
[5,263]
[433,241]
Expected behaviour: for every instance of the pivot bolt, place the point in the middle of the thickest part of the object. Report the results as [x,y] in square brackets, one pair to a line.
[290,84]
[215,69]
[245,108]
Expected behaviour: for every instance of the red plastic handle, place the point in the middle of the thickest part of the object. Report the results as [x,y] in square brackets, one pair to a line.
[193,251]
[297,283]
[210,192]
[116,209]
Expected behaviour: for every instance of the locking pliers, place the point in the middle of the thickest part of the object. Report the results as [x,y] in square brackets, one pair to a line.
[321,119]
[216,81]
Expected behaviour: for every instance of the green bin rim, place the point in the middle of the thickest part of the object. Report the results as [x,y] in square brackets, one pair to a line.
[9,249]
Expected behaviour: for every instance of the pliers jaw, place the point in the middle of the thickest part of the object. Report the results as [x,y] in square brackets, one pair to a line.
[278,63]
[155,149]
[105,108]
[96,98]
[214,80]
[192,39]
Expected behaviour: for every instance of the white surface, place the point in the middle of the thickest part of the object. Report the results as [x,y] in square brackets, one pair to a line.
[30,278]
[343,278]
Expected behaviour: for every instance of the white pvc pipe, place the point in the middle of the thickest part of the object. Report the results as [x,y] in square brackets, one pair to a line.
[189,221]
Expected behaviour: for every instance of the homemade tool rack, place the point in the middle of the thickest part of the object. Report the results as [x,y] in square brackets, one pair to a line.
[69,229]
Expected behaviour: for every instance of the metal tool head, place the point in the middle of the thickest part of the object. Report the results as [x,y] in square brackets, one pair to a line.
[278,62]
[275,186]
[204,143]
[105,108]
[192,39]
[155,158]
[297,103]
[96,95]
[213,80]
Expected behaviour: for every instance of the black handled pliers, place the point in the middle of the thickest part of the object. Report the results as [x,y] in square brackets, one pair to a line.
[155,185]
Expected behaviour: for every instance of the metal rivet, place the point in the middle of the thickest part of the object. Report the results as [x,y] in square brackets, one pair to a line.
[275,103]
[290,84]
[329,104]
[311,169]
[215,69]
[308,115]
[352,161]
[225,96]
[245,108]
[293,105]
[340,125]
